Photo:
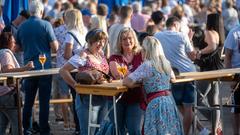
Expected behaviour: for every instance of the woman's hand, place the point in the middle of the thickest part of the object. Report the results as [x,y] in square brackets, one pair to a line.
[29,65]
[113,69]
[198,55]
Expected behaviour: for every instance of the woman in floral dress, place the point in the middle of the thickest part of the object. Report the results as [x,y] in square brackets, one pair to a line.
[161,116]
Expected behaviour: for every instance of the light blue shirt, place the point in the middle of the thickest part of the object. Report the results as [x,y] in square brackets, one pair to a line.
[176,46]
[232,42]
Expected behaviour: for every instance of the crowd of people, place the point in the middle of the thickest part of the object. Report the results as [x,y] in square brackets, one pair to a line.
[151,40]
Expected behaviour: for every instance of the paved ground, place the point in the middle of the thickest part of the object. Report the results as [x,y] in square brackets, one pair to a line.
[57,129]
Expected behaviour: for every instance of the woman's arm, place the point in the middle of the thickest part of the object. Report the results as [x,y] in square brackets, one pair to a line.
[172,77]
[10,68]
[130,83]
[65,72]
[68,51]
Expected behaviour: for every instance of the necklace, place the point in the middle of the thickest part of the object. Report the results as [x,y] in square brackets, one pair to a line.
[96,56]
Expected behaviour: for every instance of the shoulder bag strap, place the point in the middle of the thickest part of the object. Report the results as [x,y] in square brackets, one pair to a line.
[75,38]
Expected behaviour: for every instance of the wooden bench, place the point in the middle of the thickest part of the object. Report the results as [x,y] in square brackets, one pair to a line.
[57,101]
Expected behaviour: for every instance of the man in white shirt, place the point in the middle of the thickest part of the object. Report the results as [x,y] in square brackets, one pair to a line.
[125,19]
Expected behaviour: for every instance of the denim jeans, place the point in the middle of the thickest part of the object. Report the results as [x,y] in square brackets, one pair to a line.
[31,85]
[183,93]
[8,116]
[129,118]
[82,107]
[73,108]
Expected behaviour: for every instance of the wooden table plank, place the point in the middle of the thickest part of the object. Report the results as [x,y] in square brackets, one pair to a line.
[32,73]
[222,76]
[106,89]
[206,73]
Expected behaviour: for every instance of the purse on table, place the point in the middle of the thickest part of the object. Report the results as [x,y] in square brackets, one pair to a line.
[92,76]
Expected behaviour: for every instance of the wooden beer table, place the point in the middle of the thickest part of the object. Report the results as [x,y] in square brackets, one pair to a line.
[16,76]
[107,89]
[216,75]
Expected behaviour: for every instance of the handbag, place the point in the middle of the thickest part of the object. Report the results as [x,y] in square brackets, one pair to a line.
[92,76]
[210,61]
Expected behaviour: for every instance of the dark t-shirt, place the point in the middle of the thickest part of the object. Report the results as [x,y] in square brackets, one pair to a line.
[134,95]
[34,37]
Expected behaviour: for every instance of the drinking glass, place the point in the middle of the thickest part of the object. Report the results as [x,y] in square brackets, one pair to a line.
[42,59]
[122,69]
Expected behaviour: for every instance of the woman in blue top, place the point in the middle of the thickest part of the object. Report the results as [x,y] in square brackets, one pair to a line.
[161,116]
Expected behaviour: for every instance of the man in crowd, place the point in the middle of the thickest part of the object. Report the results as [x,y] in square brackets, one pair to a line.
[35,36]
[158,19]
[125,21]
[13,26]
[232,55]
[179,51]
[139,20]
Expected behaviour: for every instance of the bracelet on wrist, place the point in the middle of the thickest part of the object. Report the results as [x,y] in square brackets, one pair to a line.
[199,52]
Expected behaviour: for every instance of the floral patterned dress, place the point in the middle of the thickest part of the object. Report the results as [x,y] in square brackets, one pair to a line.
[90,64]
[161,116]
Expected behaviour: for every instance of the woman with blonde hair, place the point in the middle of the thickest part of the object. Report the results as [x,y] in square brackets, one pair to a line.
[72,42]
[127,54]
[76,33]
[161,116]
[123,35]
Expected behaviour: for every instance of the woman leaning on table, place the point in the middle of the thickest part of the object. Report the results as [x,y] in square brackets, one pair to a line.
[9,64]
[155,73]
[127,54]
[91,58]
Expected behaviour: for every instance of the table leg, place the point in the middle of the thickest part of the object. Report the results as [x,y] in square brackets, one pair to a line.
[194,131]
[89,113]
[5,83]
[19,106]
[221,108]
[115,114]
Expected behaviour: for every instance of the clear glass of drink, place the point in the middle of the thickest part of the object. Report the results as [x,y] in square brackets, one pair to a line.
[122,69]
[42,59]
